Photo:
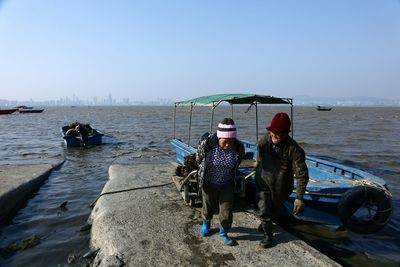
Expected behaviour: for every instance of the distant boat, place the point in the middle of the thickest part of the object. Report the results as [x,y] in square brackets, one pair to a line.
[23,107]
[23,110]
[7,111]
[73,138]
[323,108]
[26,109]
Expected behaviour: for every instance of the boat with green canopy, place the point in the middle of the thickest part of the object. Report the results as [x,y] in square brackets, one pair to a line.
[336,194]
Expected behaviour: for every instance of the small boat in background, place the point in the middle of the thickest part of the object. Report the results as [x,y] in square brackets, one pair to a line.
[26,109]
[323,108]
[7,111]
[23,107]
[80,135]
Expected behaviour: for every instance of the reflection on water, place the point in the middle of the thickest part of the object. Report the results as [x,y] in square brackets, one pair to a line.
[360,137]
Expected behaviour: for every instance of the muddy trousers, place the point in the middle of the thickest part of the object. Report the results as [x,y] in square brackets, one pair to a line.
[266,205]
[265,212]
[218,198]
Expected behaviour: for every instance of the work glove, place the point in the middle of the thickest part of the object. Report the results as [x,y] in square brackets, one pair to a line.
[298,207]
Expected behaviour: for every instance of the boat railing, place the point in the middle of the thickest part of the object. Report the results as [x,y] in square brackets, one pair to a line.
[344,171]
[182,149]
[329,167]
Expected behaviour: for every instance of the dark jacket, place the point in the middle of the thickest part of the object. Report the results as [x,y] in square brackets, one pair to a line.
[203,156]
[279,173]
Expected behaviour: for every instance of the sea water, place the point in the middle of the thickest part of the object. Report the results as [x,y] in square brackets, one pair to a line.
[362,137]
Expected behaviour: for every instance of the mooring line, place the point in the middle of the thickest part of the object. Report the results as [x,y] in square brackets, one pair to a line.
[126,190]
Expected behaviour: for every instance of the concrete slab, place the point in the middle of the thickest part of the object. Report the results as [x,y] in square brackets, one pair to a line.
[153,227]
[17,183]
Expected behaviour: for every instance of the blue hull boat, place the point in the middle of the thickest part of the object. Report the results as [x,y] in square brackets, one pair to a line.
[336,194]
[72,138]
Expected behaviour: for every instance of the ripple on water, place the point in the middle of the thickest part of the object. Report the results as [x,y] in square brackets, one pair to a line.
[361,137]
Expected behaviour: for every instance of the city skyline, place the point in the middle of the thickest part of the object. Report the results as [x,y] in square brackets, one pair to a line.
[94,101]
[301,100]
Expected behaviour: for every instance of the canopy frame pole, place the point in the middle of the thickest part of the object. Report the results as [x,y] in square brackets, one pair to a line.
[255,104]
[174,119]
[291,115]
[190,121]
[212,116]
[231,110]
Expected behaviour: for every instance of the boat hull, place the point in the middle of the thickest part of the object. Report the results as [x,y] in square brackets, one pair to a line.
[327,195]
[321,108]
[31,110]
[7,111]
[95,138]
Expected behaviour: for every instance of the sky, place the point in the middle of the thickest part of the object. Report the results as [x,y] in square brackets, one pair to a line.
[144,50]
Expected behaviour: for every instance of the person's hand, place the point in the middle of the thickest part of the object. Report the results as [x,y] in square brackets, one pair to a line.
[298,207]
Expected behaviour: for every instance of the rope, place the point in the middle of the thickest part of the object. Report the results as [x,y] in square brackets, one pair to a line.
[249,175]
[126,190]
[130,189]
[117,156]
[374,184]
[186,179]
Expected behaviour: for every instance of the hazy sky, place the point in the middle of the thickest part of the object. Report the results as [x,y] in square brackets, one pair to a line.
[182,49]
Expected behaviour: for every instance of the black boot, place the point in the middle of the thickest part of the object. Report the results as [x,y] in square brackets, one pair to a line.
[268,239]
[267,242]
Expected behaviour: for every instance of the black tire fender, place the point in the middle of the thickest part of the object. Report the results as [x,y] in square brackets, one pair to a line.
[365,209]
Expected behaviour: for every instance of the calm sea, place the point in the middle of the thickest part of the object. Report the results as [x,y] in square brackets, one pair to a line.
[365,138]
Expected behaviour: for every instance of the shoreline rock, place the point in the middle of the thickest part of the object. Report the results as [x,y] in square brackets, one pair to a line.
[18,183]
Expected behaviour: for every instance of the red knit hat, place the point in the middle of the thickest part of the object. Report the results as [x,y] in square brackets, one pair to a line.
[280,123]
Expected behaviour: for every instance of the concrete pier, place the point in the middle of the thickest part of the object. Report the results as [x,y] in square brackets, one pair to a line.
[153,227]
[18,183]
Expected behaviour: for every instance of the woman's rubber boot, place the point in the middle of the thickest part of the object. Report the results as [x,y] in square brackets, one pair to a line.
[205,228]
[268,240]
[223,234]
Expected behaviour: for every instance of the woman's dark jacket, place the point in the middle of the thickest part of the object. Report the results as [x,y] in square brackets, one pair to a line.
[203,156]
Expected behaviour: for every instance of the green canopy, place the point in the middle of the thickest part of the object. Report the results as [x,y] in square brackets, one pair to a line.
[213,100]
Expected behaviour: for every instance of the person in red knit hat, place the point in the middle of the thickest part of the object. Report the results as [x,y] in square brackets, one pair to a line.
[280,161]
